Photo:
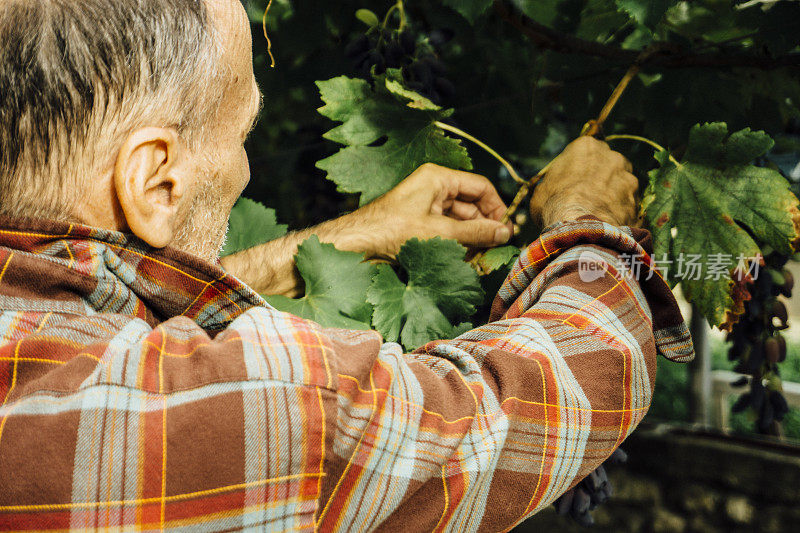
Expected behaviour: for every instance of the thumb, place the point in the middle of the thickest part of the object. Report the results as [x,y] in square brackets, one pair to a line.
[479,233]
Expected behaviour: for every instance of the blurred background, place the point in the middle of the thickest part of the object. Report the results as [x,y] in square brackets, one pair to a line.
[694,464]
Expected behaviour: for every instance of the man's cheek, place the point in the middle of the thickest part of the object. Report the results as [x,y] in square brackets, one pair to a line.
[245,169]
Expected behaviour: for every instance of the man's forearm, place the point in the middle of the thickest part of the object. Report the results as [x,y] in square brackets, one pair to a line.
[269,268]
[432,202]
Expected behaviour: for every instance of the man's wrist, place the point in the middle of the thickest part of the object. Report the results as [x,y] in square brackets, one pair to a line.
[362,231]
[559,211]
[269,268]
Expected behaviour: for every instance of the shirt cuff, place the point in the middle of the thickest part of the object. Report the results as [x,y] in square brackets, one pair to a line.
[670,331]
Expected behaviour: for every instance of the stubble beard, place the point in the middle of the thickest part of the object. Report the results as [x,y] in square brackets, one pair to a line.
[206,227]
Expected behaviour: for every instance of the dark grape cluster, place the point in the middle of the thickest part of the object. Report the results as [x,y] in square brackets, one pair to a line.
[593,490]
[758,346]
[422,70]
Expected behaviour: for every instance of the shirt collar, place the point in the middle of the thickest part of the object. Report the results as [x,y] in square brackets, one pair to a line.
[118,273]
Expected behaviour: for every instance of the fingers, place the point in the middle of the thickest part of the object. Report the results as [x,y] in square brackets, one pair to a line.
[464,211]
[437,201]
[631,181]
[465,187]
[481,193]
[479,233]
[628,166]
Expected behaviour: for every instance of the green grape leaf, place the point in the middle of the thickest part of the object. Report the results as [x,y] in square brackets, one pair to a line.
[336,287]
[714,208]
[497,258]
[251,224]
[494,267]
[469,9]
[414,100]
[387,131]
[646,12]
[441,291]
[461,329]
[600,20]
[542,11]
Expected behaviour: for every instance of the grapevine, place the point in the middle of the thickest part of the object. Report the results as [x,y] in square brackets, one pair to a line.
[758,346]
[381,48]
[704,196]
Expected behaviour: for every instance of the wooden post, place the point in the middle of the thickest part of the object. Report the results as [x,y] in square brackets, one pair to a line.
[700,372]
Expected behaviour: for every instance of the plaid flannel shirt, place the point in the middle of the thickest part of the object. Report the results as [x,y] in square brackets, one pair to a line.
[144,389]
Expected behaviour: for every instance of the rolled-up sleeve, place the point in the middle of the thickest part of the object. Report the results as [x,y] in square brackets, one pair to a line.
[482,431]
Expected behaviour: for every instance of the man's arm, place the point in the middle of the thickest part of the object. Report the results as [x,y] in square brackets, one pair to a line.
[493,426]
[481,432]
[433,201]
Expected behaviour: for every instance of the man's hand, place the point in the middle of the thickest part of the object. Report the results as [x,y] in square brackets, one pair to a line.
[433,201]
[587,178]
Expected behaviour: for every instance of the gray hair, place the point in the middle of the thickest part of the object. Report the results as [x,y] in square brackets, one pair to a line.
[76,76]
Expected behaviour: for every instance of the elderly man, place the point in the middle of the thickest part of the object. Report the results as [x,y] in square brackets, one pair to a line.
[142,385]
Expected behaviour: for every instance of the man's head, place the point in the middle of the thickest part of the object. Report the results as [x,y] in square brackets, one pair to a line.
[127,114]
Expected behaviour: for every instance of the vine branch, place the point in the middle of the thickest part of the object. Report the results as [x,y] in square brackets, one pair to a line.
[636,138]
[400,8]
[266,35]
[670,55]
[646,141]
[523,192]
[484,146]
[591,128]
[594,126]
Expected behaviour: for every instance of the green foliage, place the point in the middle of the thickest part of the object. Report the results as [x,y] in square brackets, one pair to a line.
[497,258]
[716,206]
[368,17]
[527,98]
[336,287]
[251,224]
[470,9]
[600,20]
[543,11]
[646,12]
[344,291]
[528,102]
[387,131]
[441,292]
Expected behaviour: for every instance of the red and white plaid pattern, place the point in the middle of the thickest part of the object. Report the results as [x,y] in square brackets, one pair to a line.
[141,389]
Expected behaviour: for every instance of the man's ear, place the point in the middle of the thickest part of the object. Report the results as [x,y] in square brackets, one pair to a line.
[150,186]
